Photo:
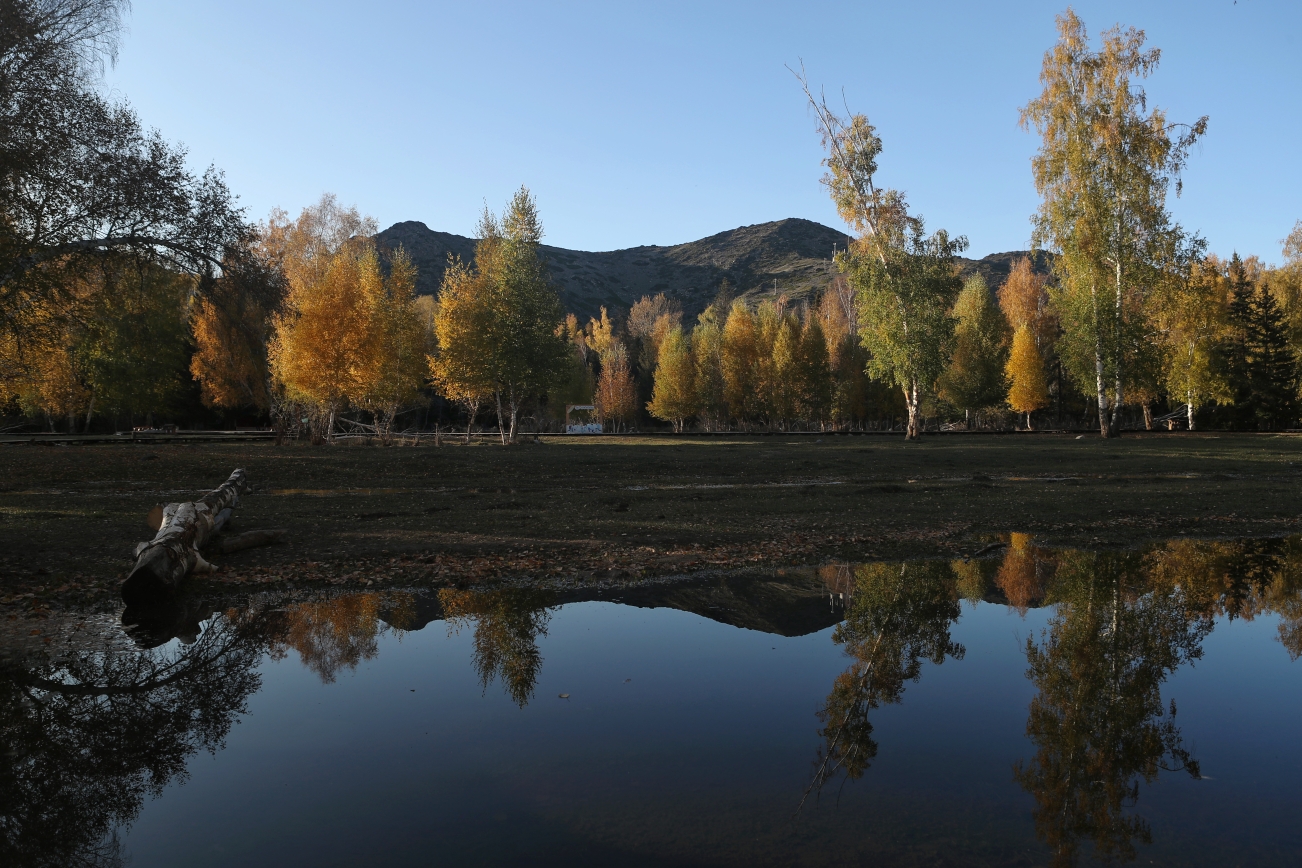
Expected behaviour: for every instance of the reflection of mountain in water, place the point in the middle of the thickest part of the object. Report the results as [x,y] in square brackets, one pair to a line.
[790,603]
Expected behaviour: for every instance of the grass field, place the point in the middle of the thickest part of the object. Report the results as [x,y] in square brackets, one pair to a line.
[611,509]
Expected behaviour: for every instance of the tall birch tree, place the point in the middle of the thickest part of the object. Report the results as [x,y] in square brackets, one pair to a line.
[1103,171]
[905,281]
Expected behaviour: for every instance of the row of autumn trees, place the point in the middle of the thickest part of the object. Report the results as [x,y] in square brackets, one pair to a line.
[1219,332]
[129,287]
[1137,312]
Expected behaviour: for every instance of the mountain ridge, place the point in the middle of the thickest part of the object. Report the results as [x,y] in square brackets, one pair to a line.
[791,257]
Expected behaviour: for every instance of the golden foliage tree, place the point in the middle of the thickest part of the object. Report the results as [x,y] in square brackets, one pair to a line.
[1024,299]
[319,334]
[1028,390]
[230,361]
[616,393]
[460,367]
[741,363]
[331,635]
[784,360]
[320,337]
[391,366]
[1019,576]
[707,351]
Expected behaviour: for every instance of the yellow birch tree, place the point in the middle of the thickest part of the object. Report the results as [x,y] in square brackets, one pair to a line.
[673,396]
[1025,371]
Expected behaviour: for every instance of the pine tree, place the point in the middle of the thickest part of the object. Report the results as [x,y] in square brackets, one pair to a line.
[674,394]
[528,351]
[1262,367]
[1027,391]
[1273,370]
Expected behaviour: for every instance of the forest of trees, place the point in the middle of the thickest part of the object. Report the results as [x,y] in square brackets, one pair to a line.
[134,293]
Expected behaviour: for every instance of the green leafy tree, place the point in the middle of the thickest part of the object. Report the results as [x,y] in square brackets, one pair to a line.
[1098,721]
[904,280]
[1103,171]
[896,618]
[674,396]
[528,353]
[811,381]
[1190,321]
[134,346]
[904,297]
[974,379]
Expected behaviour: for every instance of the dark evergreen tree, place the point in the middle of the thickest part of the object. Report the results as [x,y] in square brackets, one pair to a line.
[1262,367]
[1273,367]
[1236,349]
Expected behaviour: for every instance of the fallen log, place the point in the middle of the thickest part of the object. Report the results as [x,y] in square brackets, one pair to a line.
[238,542]
[184,528]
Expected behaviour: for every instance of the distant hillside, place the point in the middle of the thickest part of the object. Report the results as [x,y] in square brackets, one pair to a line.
[791,256]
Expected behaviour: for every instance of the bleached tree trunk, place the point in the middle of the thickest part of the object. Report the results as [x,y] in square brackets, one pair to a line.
[164,562]
[515,412]
[911,399]
[1105,420]
[1148,417]
[1190,410]
[501,424]
[1118,397]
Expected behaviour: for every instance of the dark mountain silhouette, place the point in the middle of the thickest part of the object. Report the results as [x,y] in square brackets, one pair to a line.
[791,257]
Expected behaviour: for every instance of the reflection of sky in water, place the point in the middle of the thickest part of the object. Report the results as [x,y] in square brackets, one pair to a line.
[701,757]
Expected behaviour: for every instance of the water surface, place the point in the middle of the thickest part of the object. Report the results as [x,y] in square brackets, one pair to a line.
[1034,708]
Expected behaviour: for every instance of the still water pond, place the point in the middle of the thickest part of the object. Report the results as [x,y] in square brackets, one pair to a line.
[1033,708]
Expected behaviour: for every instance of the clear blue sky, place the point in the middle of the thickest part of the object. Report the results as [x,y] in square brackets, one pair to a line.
[663,122]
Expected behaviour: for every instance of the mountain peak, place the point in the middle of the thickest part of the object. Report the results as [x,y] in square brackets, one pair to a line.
[791,257]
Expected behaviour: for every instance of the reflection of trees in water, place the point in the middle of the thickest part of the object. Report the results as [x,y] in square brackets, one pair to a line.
[332,634]
[1098,720]
[1023,573]
[1237,579]
[507,624]
[89,736]
[897,617]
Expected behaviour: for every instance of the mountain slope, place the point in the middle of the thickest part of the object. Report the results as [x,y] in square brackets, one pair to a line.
[791,257]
